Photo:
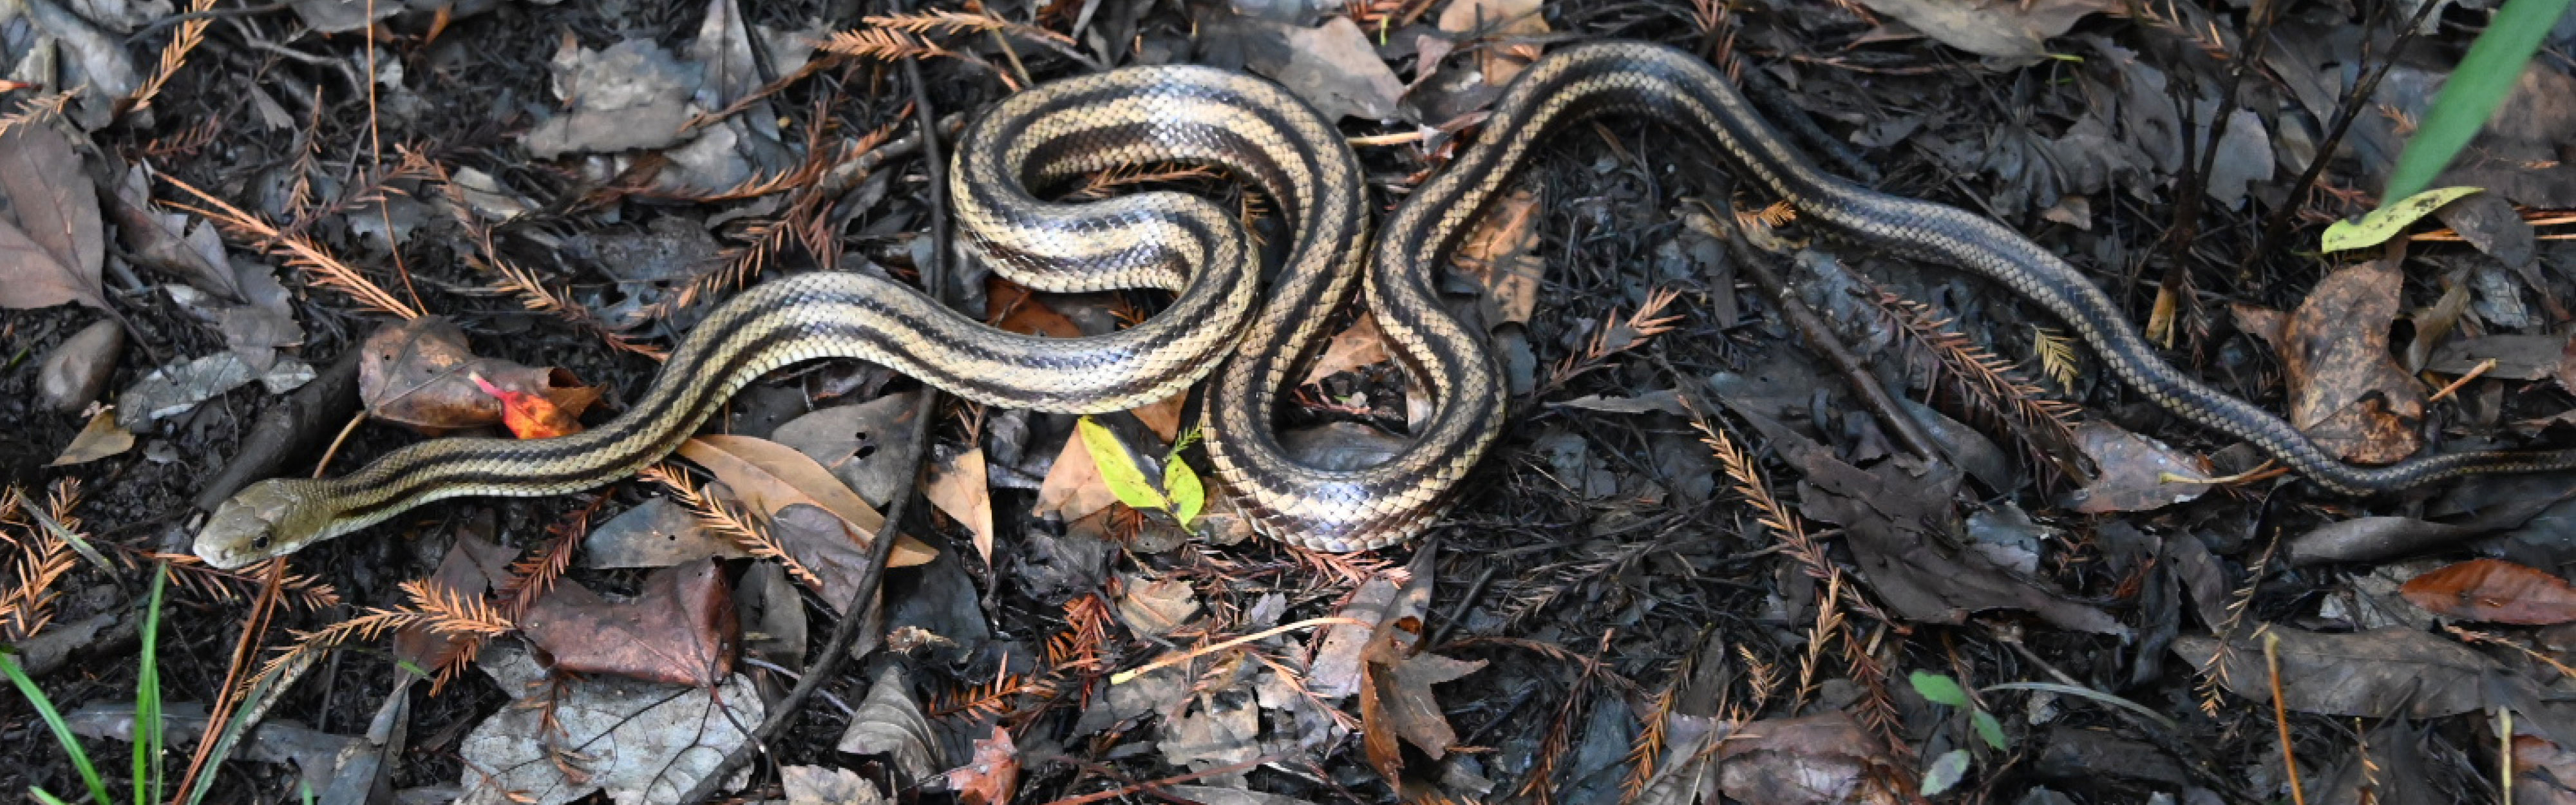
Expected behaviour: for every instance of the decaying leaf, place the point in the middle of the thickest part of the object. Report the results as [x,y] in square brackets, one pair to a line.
[2133,472]
[1155,607]
[1335,68]
[641,742]
[1073,488]
[2346,390]
[2373,674]
[991,776]
[72,375]
[680,629]
[1012,307]
[2494,591]
[1819,759]
[420,373]
[816,785]
[177,388]
[634,94]
[100,439]
[658,533]
[1498,20]
[861,444]
[468,572]
[2366,539]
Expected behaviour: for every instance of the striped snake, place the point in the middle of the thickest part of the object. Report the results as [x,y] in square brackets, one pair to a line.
[1048,136]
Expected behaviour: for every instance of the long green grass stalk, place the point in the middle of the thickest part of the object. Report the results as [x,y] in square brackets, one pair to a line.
[148,728]
[62,732]
[2485,76]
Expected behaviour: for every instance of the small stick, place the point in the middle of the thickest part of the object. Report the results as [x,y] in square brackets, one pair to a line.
[2281,716]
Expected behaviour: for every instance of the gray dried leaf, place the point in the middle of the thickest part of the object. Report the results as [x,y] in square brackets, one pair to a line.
[659,533]
[632,95]
[95,63]
[638,741]
[816,785]
[2373,674]
[166,242]
[890,723]
[172,390]
[2244,155]
[723,50]
[51,198]
[1997,28]
[861,444]
[1334,68]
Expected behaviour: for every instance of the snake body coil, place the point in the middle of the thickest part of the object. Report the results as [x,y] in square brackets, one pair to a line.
[1256,131]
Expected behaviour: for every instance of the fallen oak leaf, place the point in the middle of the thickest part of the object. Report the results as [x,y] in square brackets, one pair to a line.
[528,416]
[2346,390]
[2494,591]
[99,439]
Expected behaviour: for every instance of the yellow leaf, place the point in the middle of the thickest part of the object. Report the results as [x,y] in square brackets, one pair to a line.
[2379,225]
[1118,468]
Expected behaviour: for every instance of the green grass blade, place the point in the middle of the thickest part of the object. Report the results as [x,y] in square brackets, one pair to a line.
[148,728]
[62,732]
[44,796]
[2485,76]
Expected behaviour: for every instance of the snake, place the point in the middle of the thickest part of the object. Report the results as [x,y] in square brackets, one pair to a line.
[1013,162]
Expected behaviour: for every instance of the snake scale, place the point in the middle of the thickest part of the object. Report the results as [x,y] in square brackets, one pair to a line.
[1254,130]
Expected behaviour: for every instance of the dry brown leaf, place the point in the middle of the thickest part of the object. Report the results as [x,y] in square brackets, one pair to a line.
[1155,607]
[1396,700]
[100,439]
[958,487]
[1073,488]
[420,373]
[1011,307]
[1502,254]
[2373,674]
[1361,345]
[54,251]
[769,477]
[2494,591]
[473,565]
[681,629]
[2346,390]
[1163,418]
[1497,20]
[2001,28]
[992,775]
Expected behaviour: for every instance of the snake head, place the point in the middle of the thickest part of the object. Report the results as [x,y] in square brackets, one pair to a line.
[265,519]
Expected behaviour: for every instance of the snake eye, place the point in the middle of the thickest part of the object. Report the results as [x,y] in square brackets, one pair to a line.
[260,542]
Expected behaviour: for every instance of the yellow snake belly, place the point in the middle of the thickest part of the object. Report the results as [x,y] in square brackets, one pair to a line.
[1258,132]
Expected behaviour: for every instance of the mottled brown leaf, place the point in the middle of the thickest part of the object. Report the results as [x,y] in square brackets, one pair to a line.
[1396,700]
[1011,307]
[1361,345]
[55,208]
[1502,255]
[2132,471]
[2494,591]
[2346,391]
[2373,674]
[1822,758]
[680,629]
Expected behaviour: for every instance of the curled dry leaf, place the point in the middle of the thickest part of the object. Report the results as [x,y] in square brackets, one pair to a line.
[2494,591]
[100,439]
[528,416]
[420,373]
[73,374]
[1012,307]
[681,629]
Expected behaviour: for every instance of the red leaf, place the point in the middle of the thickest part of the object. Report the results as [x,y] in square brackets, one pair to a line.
[2494,591]
[529,416]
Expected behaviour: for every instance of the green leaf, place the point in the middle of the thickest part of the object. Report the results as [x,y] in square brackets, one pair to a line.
[1117,468]
[1991,730]
[148,727]
[1188,495]
[1946,772]
[1939,688]
[2469,98]
[62,731]
[2384,223]
[43,796]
